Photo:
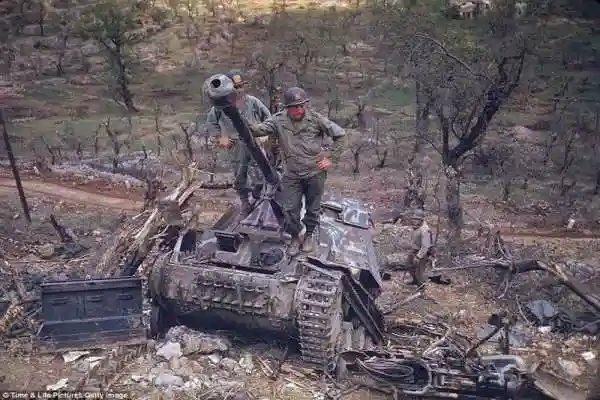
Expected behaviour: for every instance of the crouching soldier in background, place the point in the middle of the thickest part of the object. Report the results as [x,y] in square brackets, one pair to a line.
[310,144]
[220,125]
[422,248]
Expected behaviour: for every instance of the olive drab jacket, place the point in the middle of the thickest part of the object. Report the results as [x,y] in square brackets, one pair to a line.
[422,241]
[254,111]
[304,142]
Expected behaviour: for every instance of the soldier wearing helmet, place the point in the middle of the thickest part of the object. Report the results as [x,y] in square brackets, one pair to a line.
[221,127]
[422,247]
[310,144]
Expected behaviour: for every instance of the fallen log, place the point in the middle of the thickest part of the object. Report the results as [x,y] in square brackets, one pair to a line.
[135,240]
[18,300]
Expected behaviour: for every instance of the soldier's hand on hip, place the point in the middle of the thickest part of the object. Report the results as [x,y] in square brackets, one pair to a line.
[225,142]
[324,164]
[262,139]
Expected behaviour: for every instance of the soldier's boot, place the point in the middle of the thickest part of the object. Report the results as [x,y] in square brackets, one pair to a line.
[308,244]
[294,247]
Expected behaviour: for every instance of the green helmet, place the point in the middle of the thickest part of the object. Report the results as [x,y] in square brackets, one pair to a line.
[418,214]
[236,76]
[295,96]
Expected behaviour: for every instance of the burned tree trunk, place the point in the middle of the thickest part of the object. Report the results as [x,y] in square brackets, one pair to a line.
[15,169]
[454,206]
[187,136]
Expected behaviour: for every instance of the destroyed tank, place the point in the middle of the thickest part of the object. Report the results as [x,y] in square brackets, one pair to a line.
[239,276]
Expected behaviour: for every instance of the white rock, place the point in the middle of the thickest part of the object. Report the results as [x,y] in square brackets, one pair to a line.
[215,358]
[170,350]
[570,368]
[545,329]
[166,379]
[246,363]
[90,363]
[61,384]
[196,342]
[137,378]
[589,356]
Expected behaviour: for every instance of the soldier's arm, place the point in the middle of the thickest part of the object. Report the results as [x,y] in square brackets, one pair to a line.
[425,245]
[337,134]
[265,128]
[212,123]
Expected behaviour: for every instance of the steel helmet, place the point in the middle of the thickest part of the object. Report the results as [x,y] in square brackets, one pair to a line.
[295,96]
[418,214]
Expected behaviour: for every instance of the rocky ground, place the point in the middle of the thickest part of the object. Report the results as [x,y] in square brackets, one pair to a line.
[190,364]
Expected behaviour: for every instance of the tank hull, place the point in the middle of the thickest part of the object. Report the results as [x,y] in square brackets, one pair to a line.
[209,296]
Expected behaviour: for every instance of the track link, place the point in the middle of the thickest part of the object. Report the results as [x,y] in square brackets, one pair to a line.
[319,316]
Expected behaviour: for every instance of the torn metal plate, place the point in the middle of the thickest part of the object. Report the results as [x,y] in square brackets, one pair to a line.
[82,314]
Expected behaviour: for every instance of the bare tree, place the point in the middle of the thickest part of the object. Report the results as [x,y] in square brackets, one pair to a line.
[466,99]
[567,139]
[119,140]
[66,30]
[504,160]
[71,139]
[157,127]
[381,144]
[187,137]
[415,194]
[270,61]
[53,149]
[116,27]
[42,7]
[424,105]
[305,53]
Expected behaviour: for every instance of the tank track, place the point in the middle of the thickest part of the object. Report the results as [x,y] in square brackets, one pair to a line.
[322,298]
[319,316]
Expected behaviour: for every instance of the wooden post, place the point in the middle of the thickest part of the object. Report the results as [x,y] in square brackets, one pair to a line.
[15,170]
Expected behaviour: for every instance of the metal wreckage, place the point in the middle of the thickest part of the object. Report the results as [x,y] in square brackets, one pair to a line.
[237,275]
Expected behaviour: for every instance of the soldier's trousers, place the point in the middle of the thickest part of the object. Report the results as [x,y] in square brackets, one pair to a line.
[418,268]
[243,167]
[292,190]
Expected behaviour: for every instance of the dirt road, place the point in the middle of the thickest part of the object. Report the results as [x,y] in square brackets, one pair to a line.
[87,196]
[41,188]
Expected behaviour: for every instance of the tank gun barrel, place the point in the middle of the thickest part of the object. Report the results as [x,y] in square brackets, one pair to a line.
[221,92]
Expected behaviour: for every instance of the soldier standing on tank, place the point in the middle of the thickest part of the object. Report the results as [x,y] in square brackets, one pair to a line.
[310,144]
[422,248]
[220,125]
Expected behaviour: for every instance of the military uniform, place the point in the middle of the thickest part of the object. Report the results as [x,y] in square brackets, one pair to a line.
[303,143]
[243,165]
[422,248]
